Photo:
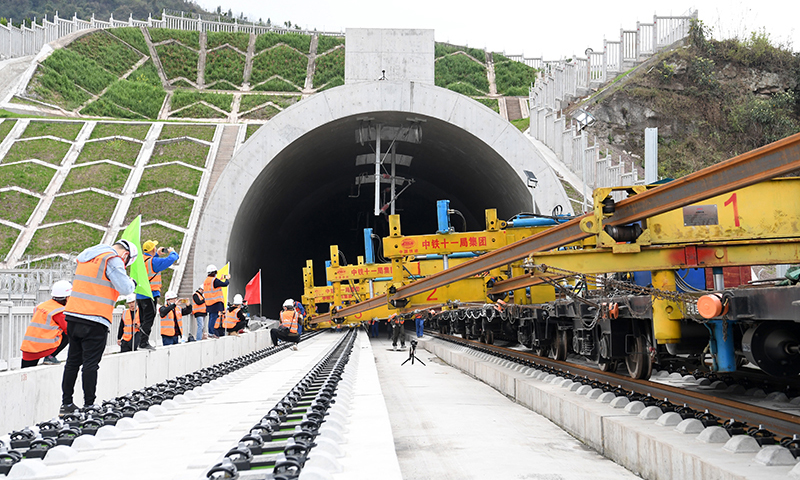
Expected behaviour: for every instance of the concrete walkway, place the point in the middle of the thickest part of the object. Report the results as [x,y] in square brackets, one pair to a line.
[448,425]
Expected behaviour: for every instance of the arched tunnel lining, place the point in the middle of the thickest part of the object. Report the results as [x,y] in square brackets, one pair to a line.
[301,203]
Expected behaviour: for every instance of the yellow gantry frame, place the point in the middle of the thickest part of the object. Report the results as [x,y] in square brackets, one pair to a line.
[755,225]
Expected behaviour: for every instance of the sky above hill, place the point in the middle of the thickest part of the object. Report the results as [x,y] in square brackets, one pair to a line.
[536,28]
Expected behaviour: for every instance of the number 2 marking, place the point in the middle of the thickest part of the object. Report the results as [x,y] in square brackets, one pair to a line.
[431,297]
[732,200]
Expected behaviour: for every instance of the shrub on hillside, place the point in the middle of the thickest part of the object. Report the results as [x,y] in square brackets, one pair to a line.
[132,36]
[294,40]
[136,96]
[108,51]
[328,67]
[239,40]
[225,64]
[325,43]
[147,73]
[276,85]
[442,49]
[461,68]
[764,120]
[188,38]
[513,78]
[79,69]
[282,61]
[178,61]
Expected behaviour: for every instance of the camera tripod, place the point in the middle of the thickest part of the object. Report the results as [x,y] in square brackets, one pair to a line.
[412,356]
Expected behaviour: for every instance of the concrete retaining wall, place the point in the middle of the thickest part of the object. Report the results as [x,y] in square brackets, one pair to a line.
[642,445]
[33,395]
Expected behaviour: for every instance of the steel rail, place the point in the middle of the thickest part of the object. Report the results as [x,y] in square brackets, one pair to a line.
[758,165]
[780,423]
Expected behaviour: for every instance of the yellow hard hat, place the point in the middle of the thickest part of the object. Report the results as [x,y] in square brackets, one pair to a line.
[149,245]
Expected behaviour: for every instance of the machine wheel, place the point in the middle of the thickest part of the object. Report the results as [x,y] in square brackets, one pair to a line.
[559,350]
[638,361]
[607,365]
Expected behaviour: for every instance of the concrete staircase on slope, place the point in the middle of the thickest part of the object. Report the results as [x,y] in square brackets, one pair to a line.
[227,145]
[513,109]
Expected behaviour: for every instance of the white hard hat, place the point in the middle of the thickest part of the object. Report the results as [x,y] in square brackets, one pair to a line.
[132,250]
[61,289]
[288,303]
[237,299]
[170,296]
[211,268]
[130,298]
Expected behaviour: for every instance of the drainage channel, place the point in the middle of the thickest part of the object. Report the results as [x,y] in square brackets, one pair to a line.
[767,427]
[79,428]
[278,445]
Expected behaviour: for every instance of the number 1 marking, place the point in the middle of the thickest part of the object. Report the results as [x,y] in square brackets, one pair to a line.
[732,200]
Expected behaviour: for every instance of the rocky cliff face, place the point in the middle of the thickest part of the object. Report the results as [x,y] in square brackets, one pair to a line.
[706,108]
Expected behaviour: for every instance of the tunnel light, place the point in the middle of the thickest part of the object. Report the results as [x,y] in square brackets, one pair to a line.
[532,180]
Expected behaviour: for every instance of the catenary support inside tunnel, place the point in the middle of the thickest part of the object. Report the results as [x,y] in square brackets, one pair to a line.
[290,191]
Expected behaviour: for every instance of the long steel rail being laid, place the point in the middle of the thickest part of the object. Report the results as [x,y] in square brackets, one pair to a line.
[756,166]
[778,423]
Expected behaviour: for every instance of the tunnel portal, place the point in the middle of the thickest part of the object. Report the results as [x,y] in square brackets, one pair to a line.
[290,192]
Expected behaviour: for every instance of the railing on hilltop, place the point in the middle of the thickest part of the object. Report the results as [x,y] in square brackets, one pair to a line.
[564,79]
[28,40]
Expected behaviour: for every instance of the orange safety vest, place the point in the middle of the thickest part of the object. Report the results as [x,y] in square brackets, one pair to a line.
[289,319]
[43,333]
[168,322]
[198,309]
[155,278]
[396,319]
[231,318]
[211,294]
[130,324]
[92,292]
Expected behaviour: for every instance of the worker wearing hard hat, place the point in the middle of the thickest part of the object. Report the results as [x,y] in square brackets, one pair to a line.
[215,302]
[156,260]
[289,327]
[128,333]
[235,317]
[172,318]
[100,278]
[46,335]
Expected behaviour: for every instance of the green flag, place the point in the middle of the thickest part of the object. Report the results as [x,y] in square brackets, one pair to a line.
[138,271]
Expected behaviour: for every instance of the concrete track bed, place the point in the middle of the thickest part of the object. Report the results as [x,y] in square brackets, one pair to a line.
[644,441]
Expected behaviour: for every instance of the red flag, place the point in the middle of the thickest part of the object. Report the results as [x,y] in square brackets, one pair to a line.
[252,292]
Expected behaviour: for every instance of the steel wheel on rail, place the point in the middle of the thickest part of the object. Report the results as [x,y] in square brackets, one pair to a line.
[638,361]
[559,350]
[607,365]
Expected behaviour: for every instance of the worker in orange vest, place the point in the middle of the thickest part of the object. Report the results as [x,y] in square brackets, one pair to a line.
[199,313]
[215,301]
[46,335]
[99,280]
[128,333]
[396,321]
[171,314]
[156,260]
[289,327]
[374,328]
[235,318]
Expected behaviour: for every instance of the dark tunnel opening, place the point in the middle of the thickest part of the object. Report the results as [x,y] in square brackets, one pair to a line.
[305,200]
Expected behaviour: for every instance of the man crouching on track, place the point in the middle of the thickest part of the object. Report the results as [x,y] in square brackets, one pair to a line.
[288,329]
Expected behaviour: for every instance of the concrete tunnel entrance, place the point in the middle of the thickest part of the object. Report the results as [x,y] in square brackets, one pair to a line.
[290,192]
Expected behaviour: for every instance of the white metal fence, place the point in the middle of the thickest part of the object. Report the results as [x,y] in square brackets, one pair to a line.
[14,321]
[561,80]
[28,40]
